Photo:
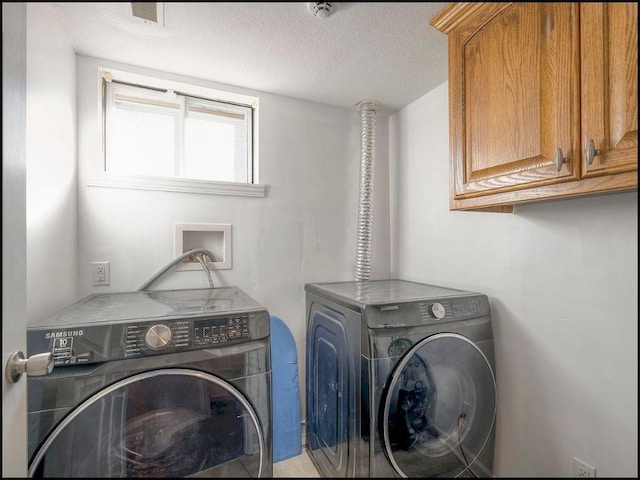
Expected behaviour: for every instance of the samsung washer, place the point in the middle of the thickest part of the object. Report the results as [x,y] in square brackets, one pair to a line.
[173,383]
[400,380]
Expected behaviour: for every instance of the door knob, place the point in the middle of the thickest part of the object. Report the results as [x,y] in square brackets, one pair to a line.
[34,366]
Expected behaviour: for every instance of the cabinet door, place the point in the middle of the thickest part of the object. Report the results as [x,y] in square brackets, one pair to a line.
[609,70]
[514,90]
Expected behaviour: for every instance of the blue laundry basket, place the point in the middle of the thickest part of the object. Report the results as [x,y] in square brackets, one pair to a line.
[287,426]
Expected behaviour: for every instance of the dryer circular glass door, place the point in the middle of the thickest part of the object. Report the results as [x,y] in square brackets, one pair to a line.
[160,423]
[438,409]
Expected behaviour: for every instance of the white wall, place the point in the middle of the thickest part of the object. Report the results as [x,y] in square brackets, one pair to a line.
[562,280]
[51,165]
[303,230]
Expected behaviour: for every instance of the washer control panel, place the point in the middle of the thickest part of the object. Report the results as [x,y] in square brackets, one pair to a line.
[141,338]
[126,325]
[221,330]
[437,310]
[158,337]
[168,336]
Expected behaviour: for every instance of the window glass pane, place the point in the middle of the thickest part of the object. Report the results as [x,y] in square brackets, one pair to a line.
[168,134]
[216,141]
[210,150]
[141,142]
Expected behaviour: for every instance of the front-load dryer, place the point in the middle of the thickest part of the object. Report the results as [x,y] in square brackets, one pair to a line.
[172,383]
[400,380]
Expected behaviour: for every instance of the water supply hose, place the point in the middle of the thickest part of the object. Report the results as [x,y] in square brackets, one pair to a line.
[197,253]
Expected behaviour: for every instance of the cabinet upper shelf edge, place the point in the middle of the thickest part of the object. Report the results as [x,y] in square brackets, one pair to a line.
[450,16]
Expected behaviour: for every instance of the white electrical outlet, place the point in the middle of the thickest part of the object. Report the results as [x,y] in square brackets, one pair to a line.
[582,470]
[101,274]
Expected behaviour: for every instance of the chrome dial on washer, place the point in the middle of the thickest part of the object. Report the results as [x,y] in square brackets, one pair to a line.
[437,310]
[158,337]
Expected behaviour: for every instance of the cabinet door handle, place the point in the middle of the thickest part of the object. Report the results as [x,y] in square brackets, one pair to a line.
[591,152]
[560,160]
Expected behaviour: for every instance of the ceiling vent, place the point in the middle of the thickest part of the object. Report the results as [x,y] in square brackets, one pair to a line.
[320,9]
[148,12]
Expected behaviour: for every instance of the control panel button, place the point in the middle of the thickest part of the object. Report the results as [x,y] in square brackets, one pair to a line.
[436,310]
[158,337]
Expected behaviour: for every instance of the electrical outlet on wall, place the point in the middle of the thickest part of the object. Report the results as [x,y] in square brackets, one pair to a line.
[582,470]
[101,274]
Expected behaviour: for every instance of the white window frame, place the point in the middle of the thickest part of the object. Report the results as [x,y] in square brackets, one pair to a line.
[142,182]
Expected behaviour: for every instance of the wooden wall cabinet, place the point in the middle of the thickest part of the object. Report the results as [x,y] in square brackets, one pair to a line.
[543,101]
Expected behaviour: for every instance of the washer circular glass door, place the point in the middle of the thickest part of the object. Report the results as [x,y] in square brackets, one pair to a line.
[439,407]
[160,423]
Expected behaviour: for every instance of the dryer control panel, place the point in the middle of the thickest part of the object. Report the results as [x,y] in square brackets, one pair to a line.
[426,312]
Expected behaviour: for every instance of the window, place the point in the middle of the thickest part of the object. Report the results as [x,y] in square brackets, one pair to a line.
[162,138]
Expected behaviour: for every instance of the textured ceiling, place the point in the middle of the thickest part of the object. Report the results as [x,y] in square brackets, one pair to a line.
[381,51]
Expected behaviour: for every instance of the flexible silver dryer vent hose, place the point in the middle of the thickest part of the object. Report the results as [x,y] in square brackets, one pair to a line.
[367,111]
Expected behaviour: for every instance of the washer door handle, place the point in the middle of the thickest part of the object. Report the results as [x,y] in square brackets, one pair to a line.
[34,366]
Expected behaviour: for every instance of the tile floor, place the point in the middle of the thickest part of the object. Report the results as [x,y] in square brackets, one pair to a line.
[299,466]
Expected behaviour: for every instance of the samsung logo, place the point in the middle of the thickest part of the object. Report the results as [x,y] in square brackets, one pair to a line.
[65,334]
[386,308]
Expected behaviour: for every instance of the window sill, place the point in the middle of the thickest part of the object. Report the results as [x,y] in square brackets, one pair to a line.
[178,185]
